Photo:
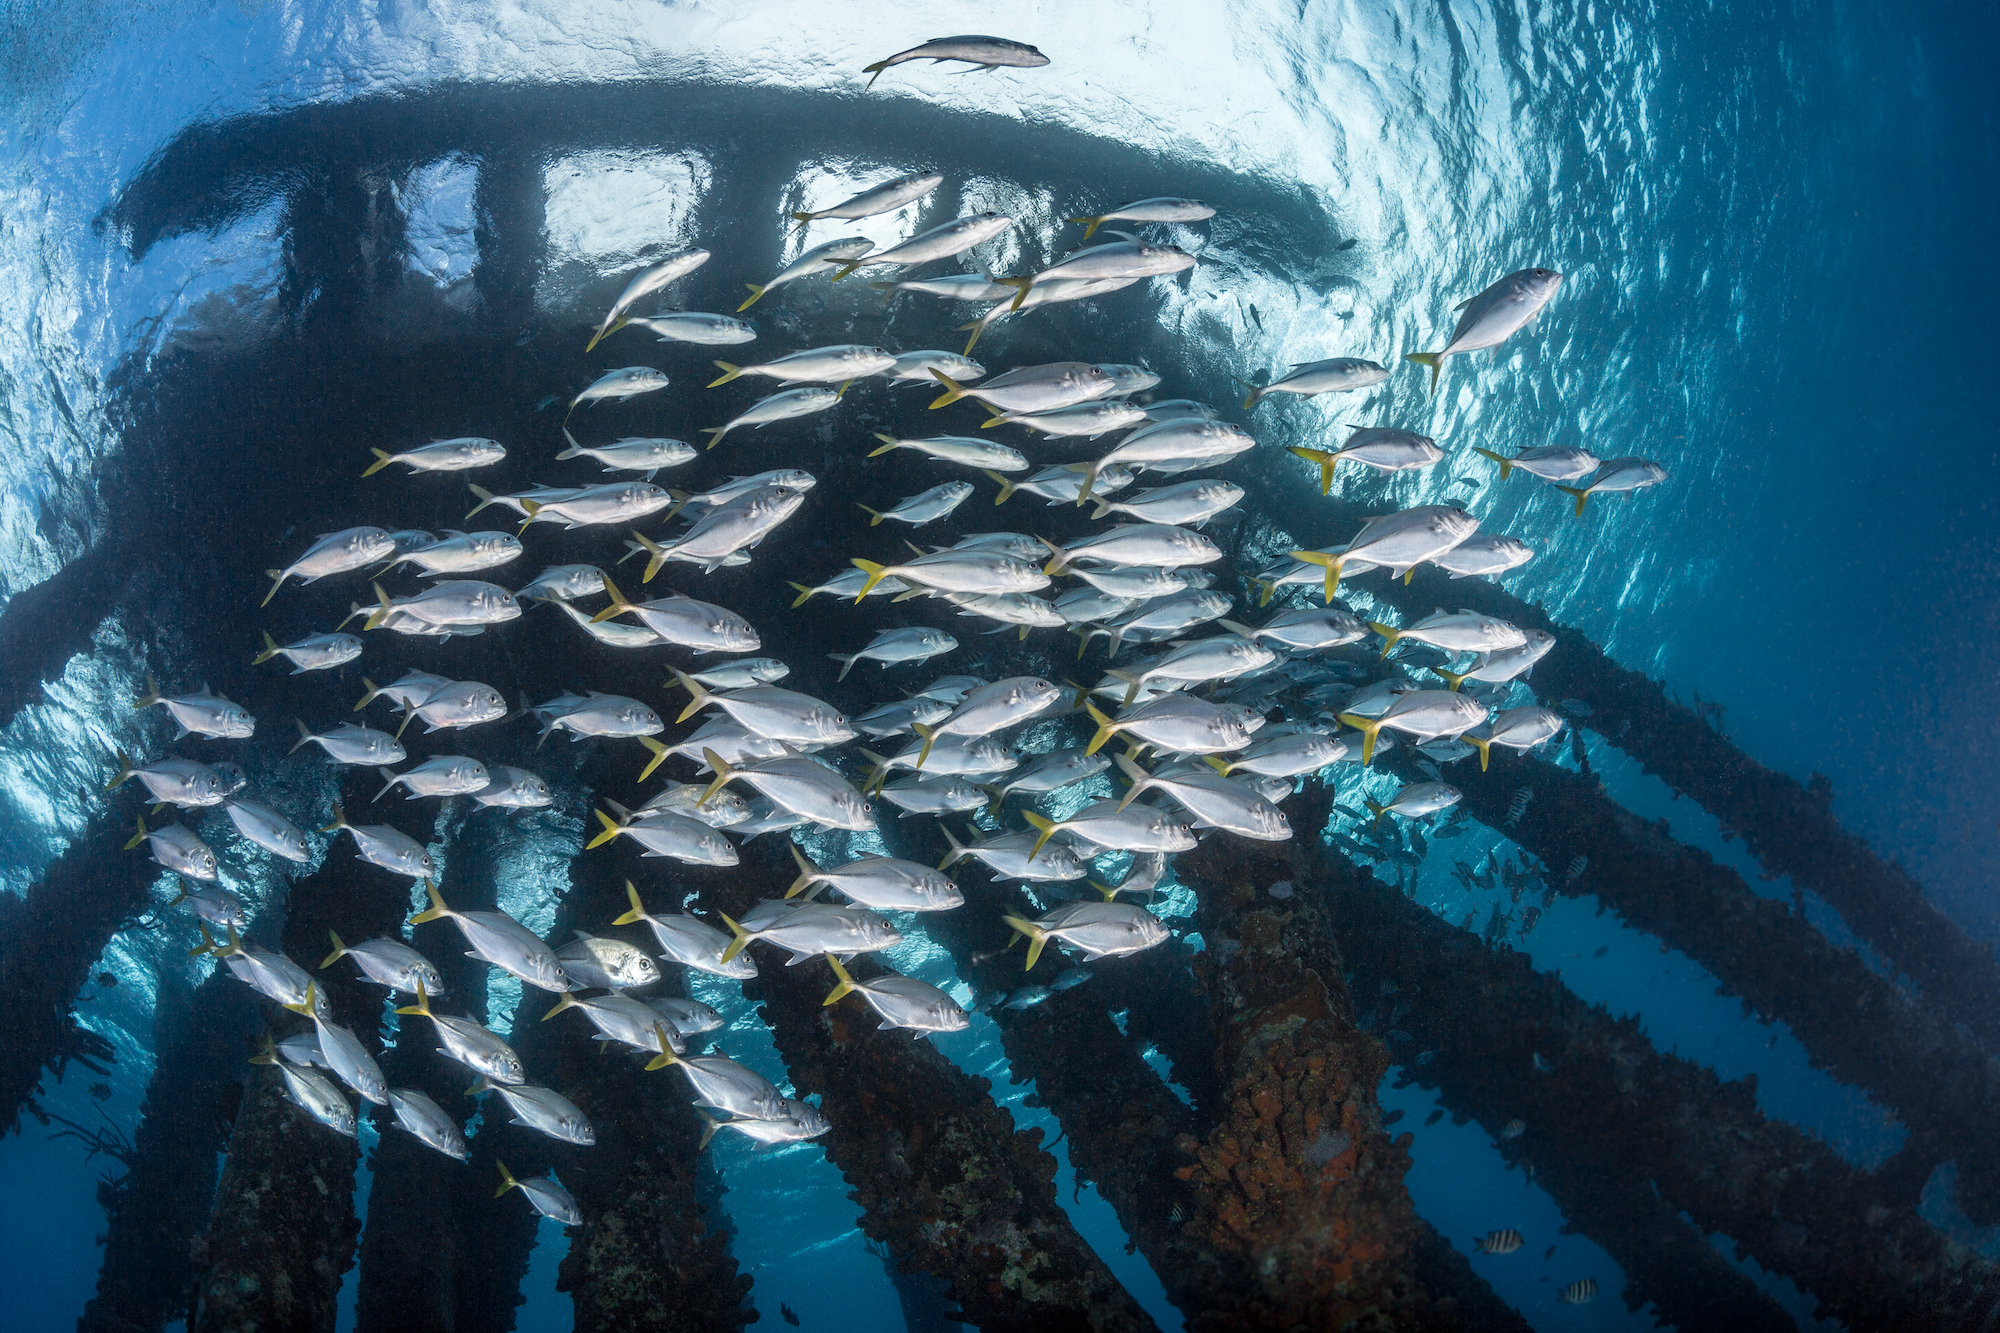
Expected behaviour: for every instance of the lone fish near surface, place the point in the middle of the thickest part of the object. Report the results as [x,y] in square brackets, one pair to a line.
[988,53]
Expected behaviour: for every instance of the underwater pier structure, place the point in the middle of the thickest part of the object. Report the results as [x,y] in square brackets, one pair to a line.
[1272,1197]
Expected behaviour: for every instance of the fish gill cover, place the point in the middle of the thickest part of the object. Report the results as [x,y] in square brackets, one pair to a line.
[1704,255]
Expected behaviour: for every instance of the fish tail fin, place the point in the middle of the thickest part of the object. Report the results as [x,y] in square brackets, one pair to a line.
[978,326]
[1330,563]
[1218,763]
[1426,359]
[507,1181]
[382,460]
[388,775]
[717,431]
[1453,678]
[277,577]
[930,736]
[996,796]
[575,450]
[1375,808]
[1109,891]
[742,937]
[874,572]
[529,509]
[1106,728]
[757,291]
[666,1056]
[1238,628]
[381,612]
[807,872]
[845,985]
[612,828]
[1389,635]
[150,697]
[1021,286]
[486,497]
[875,516]
[1266,590]
[709,1124]
[125,770]
[339,820]
[1485,749]
[847,661]
[994,417]
[729,372]
[1326,463]
[805,594]
[436,911]
[953,390]
[701,696]
[404,726]
[1007,487]
[656,555]
[270,650]
[638,912]
[1090,225]
[1369,729]
[339,951]
[1037,937]
[873,72]
[724,771]
[305,736]
[619,602]
[1581,493]
[1506,463]
[1089,471]
[1141,779]
[1044,826]
[888,442]
[846,266]
[958,850]
[1059,558]
[659,756]
[138,837]
[1132,683]
[267,1056]
[565,1001]
[305,1006]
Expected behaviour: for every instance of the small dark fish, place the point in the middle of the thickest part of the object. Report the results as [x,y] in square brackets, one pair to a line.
[1433,1117]
[1578,1293]
[1548,1254]
[1075,976]
[1504,1241]
[1602,949]
[107,978]
[1347,244]
[1513,1129]
[786,1312]
[1522,796]
[1577,708]
[1576,869]
[1029,996]
[1256,319]
[1392,1118]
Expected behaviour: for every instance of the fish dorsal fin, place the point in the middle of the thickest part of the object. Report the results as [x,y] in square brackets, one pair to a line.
[1463,304]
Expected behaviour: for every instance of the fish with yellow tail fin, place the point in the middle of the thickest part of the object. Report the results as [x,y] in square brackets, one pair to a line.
[722,1084]
[1419,800]
[1515,729]
[340,552]
[884,198]
[670,835]
[1342,374]
[1161,209]
[880,883]
[1425,715]
[657,278]
[1490,318]
[1620,474]
[345,1055]
[545,1194]
[901,1002]
[469,1043]
[1550,463]
[386,962]
[315,652]
[1094,929]
[1399,542]
[499,939]
[810,929]
[687,940]
[778,407]
[985,53]
[820,259]
[839,364]
[1454,632]
[442,456]
[1106,262]
[940,242]
[313,1093]
[1104,824]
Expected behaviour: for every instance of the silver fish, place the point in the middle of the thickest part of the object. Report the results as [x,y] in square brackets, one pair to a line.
[545,1194]
[1499,668]
[380,845]
[1044,388]
[1399,542]
[743,673]
[799,1123]
[519,500]
[203,713]
[1161,208]
[1423,714]
[428,1121]
[1169,441]
[390,963]
[1087,605]
[173,781]
[1342,374]
[453,602]
[665,834]
[897,718]
[1515,728]
[312,1093]
[620,1018]
[820,259]
[315,652]
[1022,856]
[1056,291]
[216,906]
[1488,319]
[881,883]
[1213,800]
[986,53]
[302,1049]
[687,623]
[990,708]
[1377,447]
[1050,772]
[461,704]
[939,242]
[176,847]
[1108,825]
[1187,502]
[1110,260]
[687,326]
[916,367]
[811,929]
[778,407]
[1095,929]
[1553,462]
[514,788]
[1484,554]
[1175,723]
[1013,608]
[801,785]
[267,828]
[689,941]
[986,455]
[461,553]
[345,1055]
[612,502]
[340,552]
[440,775]
[656,278]
[893,646]
[607,964]
[1620,474]
[723,531]
[598,715]
[783,715]
[724,810]
[969,287]
[502,941]
[933,795]
[632,454]
[406,692]
[269,974]
[1223,657]
[901,1002]
[724,1085]
[1170,409]
[541,1109]
[1455,632]
[351,744]
[457,455]
[687,1017]
[1285,756]
[819,365]
[923,507]
[884,198]
[973,571]
[1307,629]
[1090,419]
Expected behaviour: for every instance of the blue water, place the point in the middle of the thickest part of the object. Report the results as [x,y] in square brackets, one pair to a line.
[1774,226]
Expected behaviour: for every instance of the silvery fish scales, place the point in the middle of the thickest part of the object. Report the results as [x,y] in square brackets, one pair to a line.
[606,963]
[203,713]
[318,1098]
[428,1122]
[884,198]
[174,781]
[1341,374]
[548,1112]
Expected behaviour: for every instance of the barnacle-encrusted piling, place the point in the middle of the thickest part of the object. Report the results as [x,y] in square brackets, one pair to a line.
[942,1176]
[1853,1023]
[1299,1175]
[49,938]
[1612,1120]
[162,1202]
[647,1257]
[283,1230]
[428,1260]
